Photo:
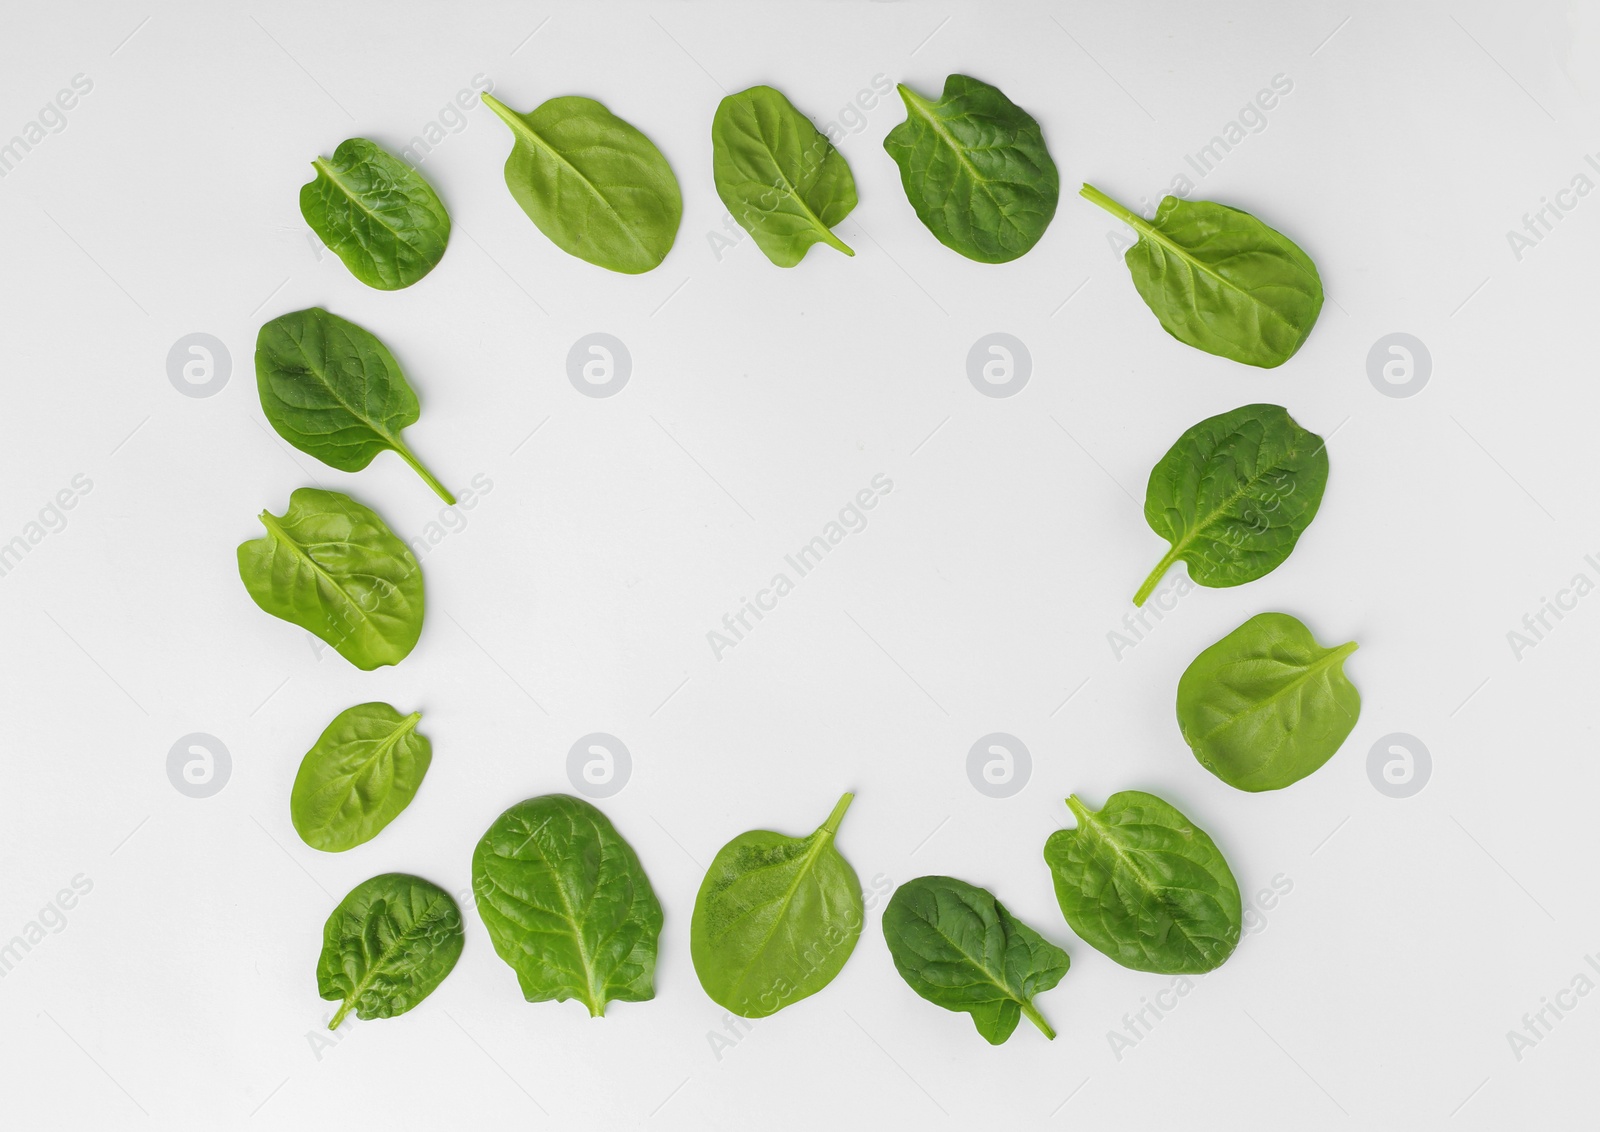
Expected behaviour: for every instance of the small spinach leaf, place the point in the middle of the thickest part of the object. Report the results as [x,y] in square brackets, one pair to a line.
[976,169]
[776,918]
[592,183]
[1234,495]
[364,769]
[783,181]
[1266,705]
[567,904]
[334,391]
[387,946]
[331,566]
[377,214]
[1220,280]
[1142,883]
[958,947]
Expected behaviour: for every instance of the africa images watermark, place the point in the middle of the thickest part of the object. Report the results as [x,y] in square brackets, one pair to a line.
[52,519]
[51,919]
[1536,626]
[51,119]
[1251,119]
[451,119]
[1543,220]
[1539,1024]
[852,518]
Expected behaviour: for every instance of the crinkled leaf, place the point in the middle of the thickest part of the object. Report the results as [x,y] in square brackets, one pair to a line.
[364,770]
[567,904]
[1234,495]
[1142,883]
[976,169]
[591,182]
[331,566]
[377,214]
[776,918]
[1220,280]
[1266,705]
[387,946]
[334,391]
[782,180]
[958,947]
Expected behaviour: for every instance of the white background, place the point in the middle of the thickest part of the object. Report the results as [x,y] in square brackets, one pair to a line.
[180,991]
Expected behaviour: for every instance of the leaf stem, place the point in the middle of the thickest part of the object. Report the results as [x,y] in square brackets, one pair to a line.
[1079,810]
[1155,577]
[427,476]
[1131,219]
[1038,1020]
[339,1017]
[831,826]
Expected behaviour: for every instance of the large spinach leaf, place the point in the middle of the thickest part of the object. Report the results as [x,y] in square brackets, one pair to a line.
[334,391]
[364,769]
[1266,705]
[592,183]
[776,918]
[567,904]
[958,947]
[331,566]
[780,178]
[976,170]
[1142,883]
[377,214]
[387,946]
[1220,280]
[1233,496]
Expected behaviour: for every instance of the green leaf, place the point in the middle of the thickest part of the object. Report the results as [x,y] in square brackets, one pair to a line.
[377,214]
[958,947]
[363,771]
[592,183]
[332,390]
[776,918]
[976,169]
[1266,705]
[1220,280]
[1234,495]
[331,566]
[567,904]
[1142,883]
[783,181]
[387,946]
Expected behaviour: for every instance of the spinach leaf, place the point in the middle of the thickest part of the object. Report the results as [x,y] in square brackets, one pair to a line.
[1220,280]
[567,904]
[783,181]
[776,918]
[592,183]
[334,391]
[976,169]
[958,947]
[1266,705]
[331,566]
[377,214]
[387,946]
[1234,495]
[363,771]
[1142,883]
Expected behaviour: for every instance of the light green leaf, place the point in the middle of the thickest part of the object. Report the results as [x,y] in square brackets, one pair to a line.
[377,214]
[364,770]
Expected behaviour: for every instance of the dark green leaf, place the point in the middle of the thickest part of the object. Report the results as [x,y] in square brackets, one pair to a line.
[334,391]
[782,180]
[387,946]
[776,918]
[976,169]
[958,947]
[1220,280]
[364,770]
[592,183]
[331,566]
[567,904]
[1234,495]
[1142,883]
[377,214]
[1266,705]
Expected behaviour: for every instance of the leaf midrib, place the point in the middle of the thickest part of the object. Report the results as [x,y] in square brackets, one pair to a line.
[824,838]
[333,176]
[1327,660]
[354,997]
[385,745]
[277,531]
[1087,822]
[1216,513]
[1147,228]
